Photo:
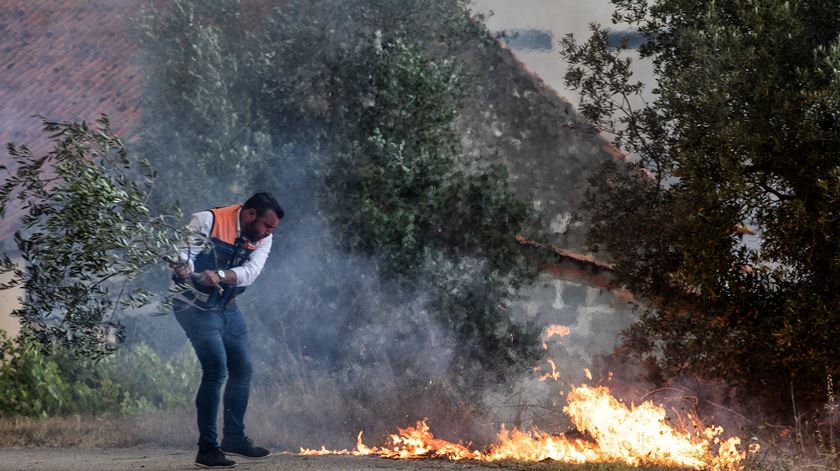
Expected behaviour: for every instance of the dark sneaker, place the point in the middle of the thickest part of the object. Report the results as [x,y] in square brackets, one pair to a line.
[244,448]
[213,458]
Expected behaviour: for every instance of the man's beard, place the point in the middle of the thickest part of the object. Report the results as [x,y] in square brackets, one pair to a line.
[250,233]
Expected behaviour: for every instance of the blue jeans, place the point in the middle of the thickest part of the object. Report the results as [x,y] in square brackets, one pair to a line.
[220,339]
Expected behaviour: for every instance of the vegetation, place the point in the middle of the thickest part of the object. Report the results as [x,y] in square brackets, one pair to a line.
[400,188]
[87,233]
[726,215]
[134,380]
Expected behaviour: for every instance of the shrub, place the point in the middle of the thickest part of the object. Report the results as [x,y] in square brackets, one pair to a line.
[134,380]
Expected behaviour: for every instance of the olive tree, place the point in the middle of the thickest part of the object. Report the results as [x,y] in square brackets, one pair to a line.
[725,215]
[87,232]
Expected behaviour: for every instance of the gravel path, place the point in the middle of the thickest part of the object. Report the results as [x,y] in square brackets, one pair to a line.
[158,459]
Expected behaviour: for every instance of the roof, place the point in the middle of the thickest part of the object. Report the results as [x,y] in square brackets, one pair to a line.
[70,60]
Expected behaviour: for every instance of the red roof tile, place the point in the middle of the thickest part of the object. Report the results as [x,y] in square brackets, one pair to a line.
[71,60]
[67,60]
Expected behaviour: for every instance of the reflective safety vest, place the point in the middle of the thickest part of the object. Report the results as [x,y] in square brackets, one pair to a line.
[225,251]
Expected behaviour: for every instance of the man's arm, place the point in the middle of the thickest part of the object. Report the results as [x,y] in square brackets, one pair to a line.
[199,230]
[246,274]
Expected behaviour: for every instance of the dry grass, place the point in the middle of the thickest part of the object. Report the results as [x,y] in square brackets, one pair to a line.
[789,454]
[278,419]
[75,431]
[174,428]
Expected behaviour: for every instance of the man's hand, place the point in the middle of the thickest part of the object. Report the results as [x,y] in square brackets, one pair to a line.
[209,278]
[181,269]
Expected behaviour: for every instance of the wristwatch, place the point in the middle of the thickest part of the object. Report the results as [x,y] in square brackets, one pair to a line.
[221,274]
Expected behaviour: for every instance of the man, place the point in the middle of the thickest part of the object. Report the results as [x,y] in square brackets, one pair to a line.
[227,250]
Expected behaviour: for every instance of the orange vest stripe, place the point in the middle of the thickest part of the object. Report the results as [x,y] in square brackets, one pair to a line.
[225,219]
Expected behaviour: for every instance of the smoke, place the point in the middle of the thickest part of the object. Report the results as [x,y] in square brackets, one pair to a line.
[339,349]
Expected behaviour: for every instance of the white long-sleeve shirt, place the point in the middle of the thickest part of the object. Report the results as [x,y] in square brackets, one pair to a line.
[200,225]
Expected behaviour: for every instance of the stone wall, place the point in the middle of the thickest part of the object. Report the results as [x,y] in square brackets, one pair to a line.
[512,116]
[9,301]
[594,315]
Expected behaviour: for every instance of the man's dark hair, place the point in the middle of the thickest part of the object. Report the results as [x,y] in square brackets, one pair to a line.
[262,202]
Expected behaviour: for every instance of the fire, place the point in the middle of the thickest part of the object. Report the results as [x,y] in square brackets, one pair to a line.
[410,443]
[620,433]
[555,375]
[556,329]
[615,432]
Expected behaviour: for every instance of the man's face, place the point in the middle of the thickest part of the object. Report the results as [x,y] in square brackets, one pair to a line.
[256,228]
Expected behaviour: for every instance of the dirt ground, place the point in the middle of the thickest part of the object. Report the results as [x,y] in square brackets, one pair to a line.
[158,459]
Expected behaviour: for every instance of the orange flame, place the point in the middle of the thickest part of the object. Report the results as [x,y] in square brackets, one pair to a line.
[551,331]
[553,375]
[556,329]
[631,434]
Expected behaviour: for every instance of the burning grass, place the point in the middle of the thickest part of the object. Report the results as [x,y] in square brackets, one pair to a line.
[555,466]
[634,435]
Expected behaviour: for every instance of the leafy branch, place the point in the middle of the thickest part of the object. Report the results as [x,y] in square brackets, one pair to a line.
[86,233]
